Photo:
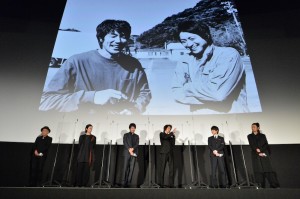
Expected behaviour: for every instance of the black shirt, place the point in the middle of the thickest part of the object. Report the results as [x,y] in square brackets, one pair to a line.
[42,144]
[86,148]
[130,140]
[167,142]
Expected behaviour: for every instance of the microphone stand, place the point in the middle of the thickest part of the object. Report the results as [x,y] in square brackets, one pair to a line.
[68,181]
[101,183]
[116,165]
[236,184]
[246,184]
[106,182]
[195,183]
[191,167]
[51,182]
[151,184]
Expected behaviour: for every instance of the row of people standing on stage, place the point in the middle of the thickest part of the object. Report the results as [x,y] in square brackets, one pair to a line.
[260,153]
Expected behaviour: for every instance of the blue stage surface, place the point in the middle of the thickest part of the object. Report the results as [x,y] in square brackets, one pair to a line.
[83,193]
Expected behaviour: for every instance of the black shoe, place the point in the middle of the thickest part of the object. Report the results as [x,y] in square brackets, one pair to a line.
[125,186]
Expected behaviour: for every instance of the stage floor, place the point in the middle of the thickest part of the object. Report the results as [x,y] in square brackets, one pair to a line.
[83,193]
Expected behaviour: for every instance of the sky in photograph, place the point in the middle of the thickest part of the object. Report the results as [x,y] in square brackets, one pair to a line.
[142,15]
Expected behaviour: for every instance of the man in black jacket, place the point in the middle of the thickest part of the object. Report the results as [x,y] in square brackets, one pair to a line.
[40,151]
[260,153]
[131,143]
[167,140]
[216,151]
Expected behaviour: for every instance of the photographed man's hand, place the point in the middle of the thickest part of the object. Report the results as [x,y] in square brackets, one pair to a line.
[258,150]
[126,112]
[104,97]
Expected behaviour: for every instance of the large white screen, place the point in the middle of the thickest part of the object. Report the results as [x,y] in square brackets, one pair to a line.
[22,90]
[174,80]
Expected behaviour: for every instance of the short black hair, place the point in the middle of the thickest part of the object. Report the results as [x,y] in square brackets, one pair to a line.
[256,124]
[87,126]
[132,125]
[110,25]
[215,128]
[166,126]
[45,127]
[195,27]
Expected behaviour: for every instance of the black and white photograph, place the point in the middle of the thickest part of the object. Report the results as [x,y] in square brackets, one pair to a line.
[188,58]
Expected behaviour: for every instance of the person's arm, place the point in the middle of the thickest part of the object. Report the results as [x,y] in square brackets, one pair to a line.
[173,138]
[251,143]
[210,146]
[94,142]
[136,144]
[180,78]
[221,147]
[46,149]
[35,149]
[35,144]
[265,145]
[221,80]
[59,93]
[80,140]
[144,93]
[125,142]
[164,136]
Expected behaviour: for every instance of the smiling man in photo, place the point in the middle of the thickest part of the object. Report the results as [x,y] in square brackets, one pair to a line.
[209,78]
[106,80]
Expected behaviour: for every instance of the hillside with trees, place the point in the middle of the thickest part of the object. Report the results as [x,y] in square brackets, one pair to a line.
[225,29]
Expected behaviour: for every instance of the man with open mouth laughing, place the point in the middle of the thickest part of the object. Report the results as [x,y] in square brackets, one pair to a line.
[106,80]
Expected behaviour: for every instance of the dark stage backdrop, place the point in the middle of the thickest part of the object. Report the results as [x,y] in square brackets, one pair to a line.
[14,167]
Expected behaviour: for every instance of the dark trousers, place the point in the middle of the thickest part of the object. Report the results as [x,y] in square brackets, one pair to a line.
[83,174]
[129,162]
[271,176]
[36,170]
[217,162]
[164,158]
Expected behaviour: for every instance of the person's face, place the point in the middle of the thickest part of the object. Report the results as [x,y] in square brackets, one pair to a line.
[193,42]
[114,42]
[254,128]
[214,132]
[45,132]
[168,129]
[89,129]
[132,129]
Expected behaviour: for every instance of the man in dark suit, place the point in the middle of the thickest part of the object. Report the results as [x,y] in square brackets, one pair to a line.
[260,153]
[216,151]
[167,140]
[131,143]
